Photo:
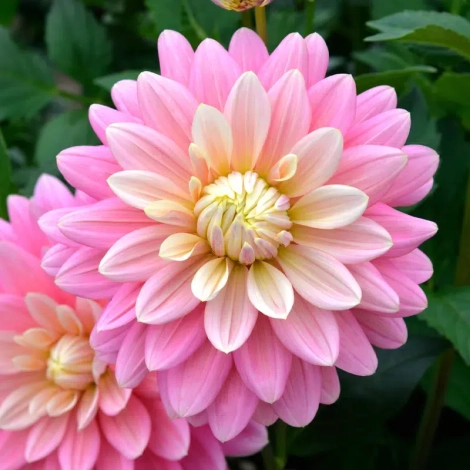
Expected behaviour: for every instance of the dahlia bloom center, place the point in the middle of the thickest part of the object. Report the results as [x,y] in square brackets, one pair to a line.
[243,217]
[70,363]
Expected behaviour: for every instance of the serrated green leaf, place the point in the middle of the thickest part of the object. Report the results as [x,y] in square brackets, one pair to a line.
[108,81]
[26,81]
[66,130]
[425,27]
[381,8]
[5,178]
[76,42]
[449,313]
[397,79]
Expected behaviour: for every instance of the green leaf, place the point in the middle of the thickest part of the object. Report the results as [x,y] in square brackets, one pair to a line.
[5,178]
[452,91]
[8,11]
[26,81]
[108,81]
[397,79]
[449,313]
[76,42]
[425,27]
[66,130]
[381,8]
[165,13]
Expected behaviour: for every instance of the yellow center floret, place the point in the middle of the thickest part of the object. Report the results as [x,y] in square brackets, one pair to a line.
[243,217]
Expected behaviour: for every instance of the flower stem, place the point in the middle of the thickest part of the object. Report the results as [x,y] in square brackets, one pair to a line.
[280,458]
[455,7]
[247,19]
[268,458]
[310,17]
[432,412]
[260,18]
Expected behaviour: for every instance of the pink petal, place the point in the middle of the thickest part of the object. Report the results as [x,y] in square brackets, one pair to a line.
[213,74]
[356,355]
[129,431]
[301,398]
[171,343]
[107,343]
[49,225]
[87,407]
[6,232]
[416,265]
[150,460]
[167,295]
[120,309]
[110,458]
[318,57]
[328,207]
[390,128]
[330,385]
[375,101]
[112,398]
[233,408]
[12,448]
[88,168]
[319,154]
[193,385]
[50,193]
[383,332]
[205,451]
[199,419]
[407,232]
[269,290]
[263,362]
[248,50]
[169,438]
[319,278]
[291,54]
[138,147]
[230,317]
[333,102]
[251,440]
[309,333]
[14,316]
[130,363]
[55,257]
[102,224]
[290,117]
[175,55]
[101,117]
[376,292]
[360,241]
[248,111]
[134,257]
[79,275]
[124,95]
[422,164]
[264,414]
[414,197]
[45,436]
[79,449]
[370,168]
[412,298]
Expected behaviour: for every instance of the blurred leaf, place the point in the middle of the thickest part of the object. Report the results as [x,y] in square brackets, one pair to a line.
[427,27]
[381,8]
[397,79]
[165,13]
[76,42]
[5,177]
[454,454]
[108,81]
[449,313]
[381,60]
[8,11]
[26,82]
[452,91]
[457,396]
[66,130]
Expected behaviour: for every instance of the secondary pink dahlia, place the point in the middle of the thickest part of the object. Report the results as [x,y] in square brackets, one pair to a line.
[241,5]
[245,229]
[60,406]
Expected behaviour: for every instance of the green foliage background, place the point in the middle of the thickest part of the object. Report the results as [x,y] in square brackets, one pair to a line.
[57,57]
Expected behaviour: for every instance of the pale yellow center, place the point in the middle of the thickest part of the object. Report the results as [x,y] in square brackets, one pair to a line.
[241,4]
[70,363]
[243,217]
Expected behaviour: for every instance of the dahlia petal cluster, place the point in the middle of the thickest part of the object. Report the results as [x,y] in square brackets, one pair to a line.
[243,228]
[241,5]
[60,406]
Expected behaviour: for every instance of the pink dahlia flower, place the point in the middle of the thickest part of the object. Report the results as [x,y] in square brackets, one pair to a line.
[60,406]
[245,229]
[241,5]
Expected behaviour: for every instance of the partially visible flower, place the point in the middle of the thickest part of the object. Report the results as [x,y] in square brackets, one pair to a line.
[60,406]
[241,5]
[252,232]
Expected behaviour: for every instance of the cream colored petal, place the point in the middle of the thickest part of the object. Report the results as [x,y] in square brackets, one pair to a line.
[211,278]
[171,213]
[70,322]
[62,402]
[284,169]
[182,246]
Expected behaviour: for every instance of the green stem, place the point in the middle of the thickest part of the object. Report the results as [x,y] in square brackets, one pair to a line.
[281,446]
[268,458]
[260,19]
[432,412]
[310,17]
[455,7]
[247,19]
